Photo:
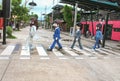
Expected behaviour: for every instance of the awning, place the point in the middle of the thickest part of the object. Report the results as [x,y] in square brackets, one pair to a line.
[94,4]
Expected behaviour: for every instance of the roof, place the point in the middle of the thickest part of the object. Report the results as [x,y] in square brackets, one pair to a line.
[57,7]
[94,4]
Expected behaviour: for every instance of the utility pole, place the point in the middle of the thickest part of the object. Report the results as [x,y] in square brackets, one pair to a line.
[92,23]
[45,17]
[75,18]
[53,12]
[105,34]
[41,18]
[6,15]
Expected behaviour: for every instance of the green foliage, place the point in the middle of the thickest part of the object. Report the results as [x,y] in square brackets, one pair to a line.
[0,7]
[20,11]
[67,13]
[9,32]
[78,17]
[34,16]
[47,19]
[16,2]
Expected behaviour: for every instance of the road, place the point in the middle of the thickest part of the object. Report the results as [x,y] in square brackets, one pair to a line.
[65,65]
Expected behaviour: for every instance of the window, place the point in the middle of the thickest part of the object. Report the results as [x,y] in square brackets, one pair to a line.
[117,29]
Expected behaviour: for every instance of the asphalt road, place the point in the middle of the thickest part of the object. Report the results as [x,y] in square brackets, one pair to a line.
[99,66]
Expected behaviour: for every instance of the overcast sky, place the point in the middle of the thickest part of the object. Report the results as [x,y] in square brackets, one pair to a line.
[42,5]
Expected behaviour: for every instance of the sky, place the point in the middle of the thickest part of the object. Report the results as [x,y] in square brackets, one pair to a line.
[43,6]
[0,4]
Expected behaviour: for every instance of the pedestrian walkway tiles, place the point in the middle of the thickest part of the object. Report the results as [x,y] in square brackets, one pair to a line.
[65,53]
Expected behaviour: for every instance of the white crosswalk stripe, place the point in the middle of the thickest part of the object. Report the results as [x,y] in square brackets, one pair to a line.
[89,54]
[76,56]
[25,53]
[104,54]
[76,53]
[94,53]
[82,51]
[59,54]
[70,52]
[110,51]
[42,53]
[6,53]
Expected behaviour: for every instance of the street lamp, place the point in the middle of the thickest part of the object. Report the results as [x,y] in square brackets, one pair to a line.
[32,3]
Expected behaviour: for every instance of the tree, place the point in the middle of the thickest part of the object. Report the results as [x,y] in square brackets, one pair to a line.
[19,11]
[34,16]
[67,14]
[16,2]
[78,17]
[0,7]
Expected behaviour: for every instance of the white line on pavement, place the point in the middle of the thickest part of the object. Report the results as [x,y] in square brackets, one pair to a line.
[25,53]
[59,54]
[7,52]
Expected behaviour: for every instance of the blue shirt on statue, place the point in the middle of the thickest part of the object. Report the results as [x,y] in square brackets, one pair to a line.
[56,33]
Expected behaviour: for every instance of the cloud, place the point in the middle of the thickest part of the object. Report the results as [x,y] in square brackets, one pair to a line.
[43,3]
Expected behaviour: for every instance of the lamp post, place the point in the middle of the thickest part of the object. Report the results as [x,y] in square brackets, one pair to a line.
[32,3]
[6,11]
[53,12]
[75,18]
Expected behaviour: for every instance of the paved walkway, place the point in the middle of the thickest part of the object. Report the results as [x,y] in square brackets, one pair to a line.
[66,65]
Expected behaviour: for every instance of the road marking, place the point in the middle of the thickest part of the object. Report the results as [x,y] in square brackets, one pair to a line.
[5,58]
[25,53]
[70,52]
[42,53]
[7,52]
[59,54]
[93,57]
[82,51]
[102,51]
[111,51]
[44,58]
[92,54]
[76,56]
[79,58]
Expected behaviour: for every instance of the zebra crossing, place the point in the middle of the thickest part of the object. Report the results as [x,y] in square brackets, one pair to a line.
[7,52]
[65,53]
[25,53]
[42,52]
